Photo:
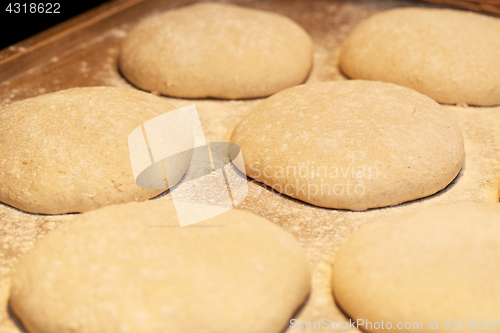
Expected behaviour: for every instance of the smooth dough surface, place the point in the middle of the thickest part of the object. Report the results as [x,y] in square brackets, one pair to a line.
[351,144]
[216,50]
[449,55]
[68,151]
[132,268]
[437,264]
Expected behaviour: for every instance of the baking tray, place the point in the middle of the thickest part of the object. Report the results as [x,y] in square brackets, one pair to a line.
[83,52]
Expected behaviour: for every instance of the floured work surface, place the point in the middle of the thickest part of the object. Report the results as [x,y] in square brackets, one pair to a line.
[320,231]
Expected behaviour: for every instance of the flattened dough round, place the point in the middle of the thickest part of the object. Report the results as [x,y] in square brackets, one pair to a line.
[448,55]
[132,268]
[436,264]
[68,151]
[216,50]
[351,144]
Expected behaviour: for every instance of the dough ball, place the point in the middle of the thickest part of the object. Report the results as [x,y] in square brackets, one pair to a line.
[132,268]
[68,151]
[216,50]
[448,55]
[436,264]
[351,144]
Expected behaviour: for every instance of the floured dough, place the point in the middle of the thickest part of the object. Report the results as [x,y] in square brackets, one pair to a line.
[132,268]
[449,55]
[351,144]
[216,50]
[68,151]
[438,264]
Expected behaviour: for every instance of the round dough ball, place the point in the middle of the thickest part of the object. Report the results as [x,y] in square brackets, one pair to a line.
[351,144]
[216,50]
[132,268]
[68,151]
[449,55]
[436,264]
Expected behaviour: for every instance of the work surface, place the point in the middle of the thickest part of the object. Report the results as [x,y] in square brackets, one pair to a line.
[84,53]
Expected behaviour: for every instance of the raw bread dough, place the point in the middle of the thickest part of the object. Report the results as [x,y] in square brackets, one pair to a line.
[449,55]
[68,151]
[216,50]
[351,144]
[132,268]
[436,264]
